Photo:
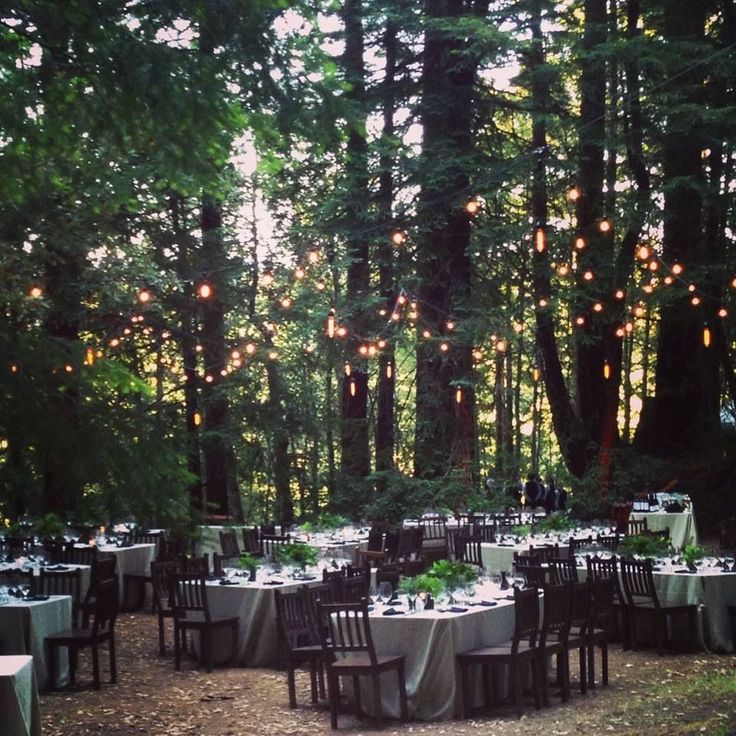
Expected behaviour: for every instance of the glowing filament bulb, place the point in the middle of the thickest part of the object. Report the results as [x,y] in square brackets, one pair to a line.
[352,387]
[267,278]
[401,299]
[588,276]
[313,256]
[501,346]
[604,226]
[472,206]
[348,369]
[197,418]
[397,237]
[723,312]
[250,348]
[642,253]
[389,370]
[144,296]
[580,243]
[444,347]
[580,321]
[299,274]
[695,301]
[574,194]
[204,291]
[536,373]
[459,396]
[606,370]
[331,324]
[677,268]
[286,302]
[89,356]
[598,307]
[36,292]
[707,336]
[620,294]
[540,240]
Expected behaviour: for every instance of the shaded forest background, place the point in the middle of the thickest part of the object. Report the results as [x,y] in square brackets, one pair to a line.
[269,258]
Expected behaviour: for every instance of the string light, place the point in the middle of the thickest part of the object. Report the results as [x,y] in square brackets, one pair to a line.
[536,373]
[381,344]
[313,256]
[363,350]
[604,226]
[573,194]
[598,307]
[197,419]
[477,355]
[444,347]
[588,276]
[347,369]
[371,350]
[286,302]
[691,288]
[320,286]
[402,299]
[459,396]
[619,294]
[389,370]
[472,206]
[209,378]
[341,331]
[543,302]
[273,355]
[13,368]
[501,346]
[653,265]
[89,356]
[267,278]
[668,280]
[620,332]
[723,312]
[580,321]
[695,301]
[144,296]
[706,336]
[398,238]
[426,334]
[35,292]
[540,240]
[677,268]
[563,270]
[606,370]
[580,243]
[352,387]
[331,324]
[204,290]
[450,325]
[114,342]
[69,368]
[642,252]
[250,348]
[629,327]
[299,273]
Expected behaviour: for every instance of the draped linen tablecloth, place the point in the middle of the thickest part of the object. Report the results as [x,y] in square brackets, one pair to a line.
[681,525]
[430,640]
[134,559]
[255,606]
[20,712]
[25,624]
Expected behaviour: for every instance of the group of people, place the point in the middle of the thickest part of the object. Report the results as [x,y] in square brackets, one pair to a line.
[547,496]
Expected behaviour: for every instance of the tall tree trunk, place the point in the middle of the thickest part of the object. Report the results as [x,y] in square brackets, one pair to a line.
[569,431]
[386,367]
[354,433]
[445,433]
[684,413]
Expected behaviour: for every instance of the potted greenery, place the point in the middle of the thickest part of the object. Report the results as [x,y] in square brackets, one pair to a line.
[454,575]
[691,553]
[250,563]
[645,545]
[297,555]
[49,526]
[428,588]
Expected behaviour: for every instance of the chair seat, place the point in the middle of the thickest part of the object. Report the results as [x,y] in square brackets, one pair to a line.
[359,661]
[77,636]
[498,650]
[307,651]
[649,606]
[214,621]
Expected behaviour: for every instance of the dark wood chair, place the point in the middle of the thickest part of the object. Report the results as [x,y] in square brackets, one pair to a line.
[195,564]
[580,611]
[349,652]
[620,513]
[451,535]
[54,550]
[562,569]
[161,575]
[229,544]
[576,544]
[355,589]
[600,624]
[607,567]
[520,651]
[545,552]
[641,597]
[75,555]
[609,541]
[252,542]
[535,576]
[271,543]
[62,582]
[104,568]
[486,532]
[300,643]
[220,562]
[104,614]
[192,613]
[554,637]
[468,549]
[137,581]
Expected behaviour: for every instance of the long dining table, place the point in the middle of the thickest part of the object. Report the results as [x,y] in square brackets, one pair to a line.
[19,702]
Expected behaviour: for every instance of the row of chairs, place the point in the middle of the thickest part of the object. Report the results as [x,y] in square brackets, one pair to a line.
[634,591]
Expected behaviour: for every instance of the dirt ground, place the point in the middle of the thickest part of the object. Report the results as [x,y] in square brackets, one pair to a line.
[675,694]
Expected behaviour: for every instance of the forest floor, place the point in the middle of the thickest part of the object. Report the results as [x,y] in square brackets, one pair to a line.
[650,695]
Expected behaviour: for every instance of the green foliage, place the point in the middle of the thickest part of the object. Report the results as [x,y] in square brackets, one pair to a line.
[491,504]
[427,583]
[49,525]
[557,521]
[645,545]
[454,574]
[248,562]
[691,553]
[297,554]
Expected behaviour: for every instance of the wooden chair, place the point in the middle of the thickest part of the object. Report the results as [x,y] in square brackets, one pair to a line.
[554,637]
[349,652]
[468,549]
[486,532]
[545,552]
[577,544]
[271,543]
[451,535]
[607,567]
[161,575]
[434,546]
[600,623]
[620,513]
[74,555]
[641,596]
[252,542]
[298,642]
[520,651]
[562,570]
[229,544]
[54,550]
[355,589]
[104,614]
[219,562]
[138,580]
[609,541]
[195,564]
[535,576]
[62,582]
[636,527]
[192,613]
[579,623]
[104,568]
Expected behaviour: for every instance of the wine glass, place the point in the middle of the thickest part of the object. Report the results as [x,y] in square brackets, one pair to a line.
[728,562]
[385,591]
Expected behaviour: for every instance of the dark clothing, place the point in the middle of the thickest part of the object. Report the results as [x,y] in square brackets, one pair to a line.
[532,492]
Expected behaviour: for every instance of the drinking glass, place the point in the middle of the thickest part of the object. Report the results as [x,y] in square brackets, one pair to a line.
[385,590]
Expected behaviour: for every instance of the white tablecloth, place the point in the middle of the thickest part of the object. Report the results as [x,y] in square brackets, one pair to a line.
[429,640]
[134,559]
[25,624]
[681,525]
[19,704]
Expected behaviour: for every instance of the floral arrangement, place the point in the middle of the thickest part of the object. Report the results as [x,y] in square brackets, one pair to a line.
[424,583]
[691,553]
[453,574]
[645,545]
[297,554]
[248,561]
[557,521]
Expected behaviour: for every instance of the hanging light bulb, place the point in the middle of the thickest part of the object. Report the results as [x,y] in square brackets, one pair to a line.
[707,336]
[573,194]
[89,356]
[389,370]
[540,240]
[331,324]
[459,395]
[320,286]
[450,325]
[286,302]
[606,370]
[677,268]
[619,294]
[250,348]
[604,226]
[472,206]
[35,292]
[536,374]
[144,296]
[348,368]
[402,299]
[273,355]
[653,265]
[299,273]
[204,290]
[588,276]
[398,237]
[353,387]
[426,334]
[723,312]
[444,347]
[341,331]
[477,355]
[267,278]
[563,270]
[620,332]
[580,242]
[363,350]
[371,350]
[313,256]
[642,253]
[381,344]
[501,346]
[598,307]
[543,302]
[580,321]
[695,301]
[197,418]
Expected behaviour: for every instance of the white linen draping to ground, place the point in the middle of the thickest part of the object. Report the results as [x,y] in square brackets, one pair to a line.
[134,559]
[681,525]
[25,624]
[19,704]
[429,640]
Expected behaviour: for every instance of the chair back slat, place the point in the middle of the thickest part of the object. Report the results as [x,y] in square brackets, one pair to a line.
[79,555]
[638,581]
[162,581]
[433,527]
[271,543]
[251,543]
[545,552]
[190,595]
[292,618]
[349,629]
[468,549]
[526,617]
[563,569]
[636,526]
[229,543]
[486,532]
[557,614]
[105,609]
[195,564]
[375,539]
[61,582]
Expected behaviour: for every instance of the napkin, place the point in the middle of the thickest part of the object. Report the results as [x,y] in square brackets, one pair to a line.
[37,598]
[274,582]
[392,612]
[57,568]
[684,572]
[228,582]
[458,609]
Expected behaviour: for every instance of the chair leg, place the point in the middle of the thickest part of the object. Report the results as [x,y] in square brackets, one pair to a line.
[583,670]
[321,679]
[377,705]
[333,687]
[313,680]
[402,693]
[565,674]
[177,647]
[113,660]
[604,662]
[465,685]
[516,682]
[51,665]
[536,669]
[206,644]
[291,684]
[544,678]
[161,641]
[96,665]
[591,666]
[73,666]
[356,695]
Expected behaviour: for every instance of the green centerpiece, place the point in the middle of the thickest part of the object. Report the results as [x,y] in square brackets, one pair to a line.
[250,563]
[691,554]
[297,555]
[645,545]
[454,575]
